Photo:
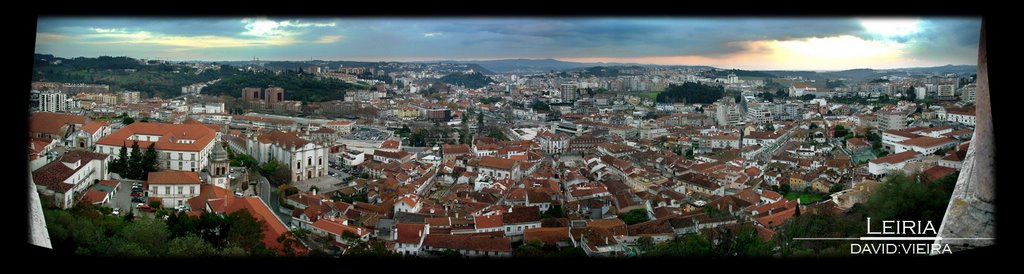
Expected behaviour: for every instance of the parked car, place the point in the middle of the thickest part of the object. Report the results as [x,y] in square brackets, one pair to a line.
[116,212]
[136,194]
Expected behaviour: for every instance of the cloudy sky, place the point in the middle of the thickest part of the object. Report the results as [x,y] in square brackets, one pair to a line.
[745,43]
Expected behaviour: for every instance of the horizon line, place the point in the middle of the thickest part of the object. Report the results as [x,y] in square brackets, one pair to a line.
[506,59]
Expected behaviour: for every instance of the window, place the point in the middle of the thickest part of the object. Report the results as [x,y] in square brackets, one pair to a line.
[180,156]
[309,161]
[320,161]
[193,155]
[193,164]
[181,190]
[179,165]
[167,190]
[298,165]
[191,190]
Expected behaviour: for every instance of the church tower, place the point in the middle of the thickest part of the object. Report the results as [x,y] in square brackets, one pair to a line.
[219,167]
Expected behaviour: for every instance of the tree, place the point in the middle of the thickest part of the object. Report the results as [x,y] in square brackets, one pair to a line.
[190,246]
[127,120]
[233,251]
[645,244]
[807,97]
[691,93]
[781,93]
[149,159]
[634,216]
[135,168]
[244,231]
[120,165]
[532,248]
[839,131]
[150,234]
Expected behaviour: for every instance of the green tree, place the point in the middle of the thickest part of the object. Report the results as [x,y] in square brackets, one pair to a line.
[233,251]
[839,131]
[149,159]
[645,244]
[127,120]
[244,231]
[782,93]
[150,234]
[532,248]
[135,167]
[634,216]
[190,246]
[120,165]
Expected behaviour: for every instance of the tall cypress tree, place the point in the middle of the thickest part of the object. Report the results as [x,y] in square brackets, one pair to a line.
[135,168]
[120,165]
[149,159]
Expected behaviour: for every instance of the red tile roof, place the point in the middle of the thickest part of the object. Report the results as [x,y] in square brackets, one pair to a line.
[390,144]
[489,221]
[169,136]
[94,196]
[410,233]
[897,158]
[937,172]
[53,174]
[51,123]
[173,177]
[284,139]
[273,227]
[94,126]
[218,198]
[927,142]
[548,235]
[497,163]
[469,242]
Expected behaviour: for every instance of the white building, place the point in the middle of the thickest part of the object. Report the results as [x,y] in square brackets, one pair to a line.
[925,144]
[342,127]
[499,168]
[920,92]
[64,181]
[173,187]
[881,166]
[53,101]
[958,115]
[552,143]
[799,89]
[408,238]
[352,157]
[305,159]
[888,120]
[183,147]
[408,203]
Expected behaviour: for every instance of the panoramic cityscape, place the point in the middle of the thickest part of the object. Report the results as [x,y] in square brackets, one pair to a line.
[508,137]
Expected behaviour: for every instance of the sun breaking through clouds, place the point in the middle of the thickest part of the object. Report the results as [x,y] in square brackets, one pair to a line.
[746,43]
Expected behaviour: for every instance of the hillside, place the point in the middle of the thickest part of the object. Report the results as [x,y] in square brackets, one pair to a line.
[298,87]
[468,80]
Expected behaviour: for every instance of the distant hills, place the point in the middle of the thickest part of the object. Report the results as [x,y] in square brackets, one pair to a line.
[534,65]
[868,74]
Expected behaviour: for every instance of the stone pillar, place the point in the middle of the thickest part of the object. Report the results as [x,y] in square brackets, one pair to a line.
[971,211]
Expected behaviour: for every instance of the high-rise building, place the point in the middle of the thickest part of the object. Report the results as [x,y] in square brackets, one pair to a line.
[969,92]
[568,92]
[891,119]
[53,101]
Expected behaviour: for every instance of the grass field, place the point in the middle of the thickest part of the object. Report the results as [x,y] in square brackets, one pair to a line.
[648,94]
[805,198]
